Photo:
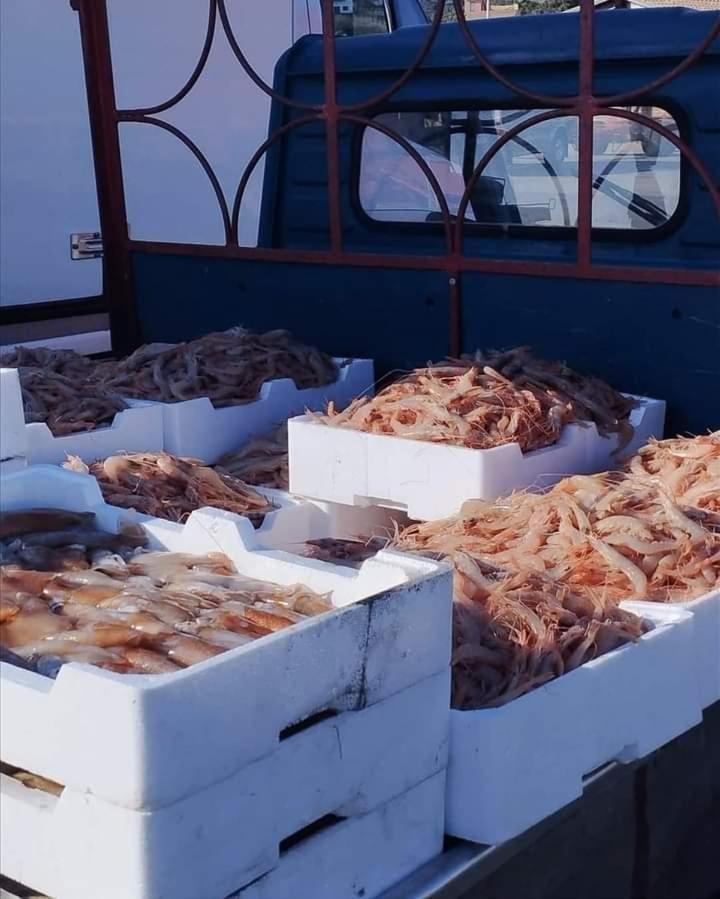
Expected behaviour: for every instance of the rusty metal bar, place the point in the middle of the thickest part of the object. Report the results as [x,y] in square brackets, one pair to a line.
[585,110]
[100,87]
[443,263]
[332,125]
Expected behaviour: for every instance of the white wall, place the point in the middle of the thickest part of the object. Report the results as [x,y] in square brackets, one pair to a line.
[47,182]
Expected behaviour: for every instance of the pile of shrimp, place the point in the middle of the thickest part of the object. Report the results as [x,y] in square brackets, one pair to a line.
[589,397]
[228,367]
[687,467]
[513,632]
[612,535]
[66,404]
[473,404]
[72,592]
[170,487]
[59,362]
[263,462]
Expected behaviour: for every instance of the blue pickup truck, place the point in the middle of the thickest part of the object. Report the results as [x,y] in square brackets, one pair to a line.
[644,311]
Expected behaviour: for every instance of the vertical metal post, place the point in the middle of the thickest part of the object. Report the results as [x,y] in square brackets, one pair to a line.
[330,111]
[117,281]
[586,107]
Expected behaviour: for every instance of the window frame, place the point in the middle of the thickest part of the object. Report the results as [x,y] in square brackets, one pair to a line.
[513,230]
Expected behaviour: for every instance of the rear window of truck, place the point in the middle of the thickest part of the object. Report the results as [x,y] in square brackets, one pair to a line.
[532,180]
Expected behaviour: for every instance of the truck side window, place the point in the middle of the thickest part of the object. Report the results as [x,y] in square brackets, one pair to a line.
[355,17]
[531,180]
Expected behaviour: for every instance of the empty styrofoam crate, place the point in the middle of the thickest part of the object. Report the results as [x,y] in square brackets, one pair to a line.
[224,837]
[137,429]
[156,739]
[432,480]
[196,428]
[512,766]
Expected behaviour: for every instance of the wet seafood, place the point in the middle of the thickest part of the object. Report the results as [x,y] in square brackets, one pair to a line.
[263,462]
[589,398]
[169,487]
[130,611]
[612,535]
[351,553]
[472,404]
[515,632]
[67,405]
[687,467]
[229,367]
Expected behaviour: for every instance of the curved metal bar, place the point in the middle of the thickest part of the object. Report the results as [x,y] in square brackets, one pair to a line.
[250,168]
[488,156]
[621,99]
[196,72]
[417,158]
[197,153]
[685,149]
[410,71]
[542,99]
[250,71]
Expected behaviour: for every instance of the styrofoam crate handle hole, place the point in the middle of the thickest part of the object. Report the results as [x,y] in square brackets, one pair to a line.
[309,831]
[306,723]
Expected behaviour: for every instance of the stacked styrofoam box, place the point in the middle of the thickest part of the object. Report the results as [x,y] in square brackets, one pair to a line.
[137,429]
[185,776]
[196,428]
[512,766]
[431,480]
[293,521]
[13,437]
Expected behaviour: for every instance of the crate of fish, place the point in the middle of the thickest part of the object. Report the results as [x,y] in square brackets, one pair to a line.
[337,857]
[63,414]
[476,428]
[163,486]
[213,672]
[223,389]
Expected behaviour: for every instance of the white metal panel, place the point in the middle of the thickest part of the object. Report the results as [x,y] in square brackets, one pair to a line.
[155,48]
[47,180]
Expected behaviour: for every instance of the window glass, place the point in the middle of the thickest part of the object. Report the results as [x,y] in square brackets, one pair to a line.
[531,180]
[354,17]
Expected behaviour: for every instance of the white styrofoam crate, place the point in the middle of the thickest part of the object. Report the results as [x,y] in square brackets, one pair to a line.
[13,438]
[224,837]
[181,732]
[134,430]
[361,857]
[431,480]
[15,463]
[196,428]
[512,766]
[706,653]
